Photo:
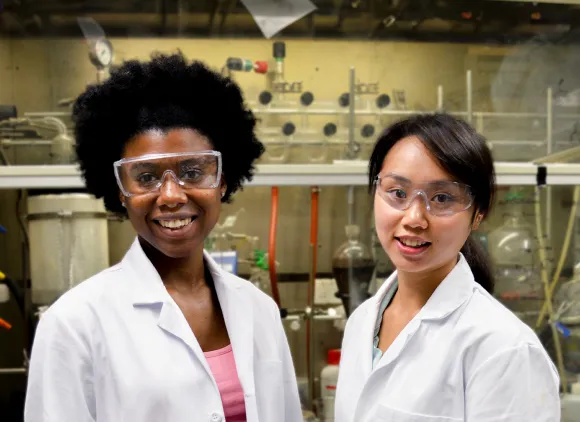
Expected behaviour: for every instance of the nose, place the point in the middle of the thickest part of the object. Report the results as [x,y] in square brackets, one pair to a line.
[170,192]
[416,214]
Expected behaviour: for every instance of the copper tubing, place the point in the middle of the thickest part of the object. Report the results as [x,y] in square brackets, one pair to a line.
[272,246]
[314,191]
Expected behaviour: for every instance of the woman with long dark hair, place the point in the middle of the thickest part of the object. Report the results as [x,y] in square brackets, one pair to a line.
[433,345]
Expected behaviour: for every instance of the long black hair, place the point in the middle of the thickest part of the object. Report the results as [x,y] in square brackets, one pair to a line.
[464,154]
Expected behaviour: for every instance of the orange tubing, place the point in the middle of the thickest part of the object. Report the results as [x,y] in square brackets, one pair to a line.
[5,324]
[312,281]
[313,240]
[272,246]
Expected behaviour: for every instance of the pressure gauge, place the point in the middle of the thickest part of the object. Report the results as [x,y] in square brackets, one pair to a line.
[101,53]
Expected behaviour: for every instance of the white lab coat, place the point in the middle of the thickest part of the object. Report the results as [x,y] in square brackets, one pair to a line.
[463,357]
[116,348]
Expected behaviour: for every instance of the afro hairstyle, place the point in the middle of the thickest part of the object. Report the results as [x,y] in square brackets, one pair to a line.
[164,93]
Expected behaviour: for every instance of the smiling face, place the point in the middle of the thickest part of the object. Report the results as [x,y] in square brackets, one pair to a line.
[416,241]
[175,220]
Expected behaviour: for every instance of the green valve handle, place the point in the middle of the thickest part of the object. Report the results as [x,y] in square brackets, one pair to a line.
[514,196]
[260,259]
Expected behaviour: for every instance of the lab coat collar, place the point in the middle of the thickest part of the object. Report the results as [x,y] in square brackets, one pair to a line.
[453,291]
[147,289]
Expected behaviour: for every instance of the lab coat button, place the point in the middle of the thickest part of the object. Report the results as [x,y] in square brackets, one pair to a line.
[216,417]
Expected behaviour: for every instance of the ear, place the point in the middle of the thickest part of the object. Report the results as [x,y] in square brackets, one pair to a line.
[477,221]
[223,186]
[123,199]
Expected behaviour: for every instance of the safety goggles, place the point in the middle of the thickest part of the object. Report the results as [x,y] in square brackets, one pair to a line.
[441,198]
[147,173]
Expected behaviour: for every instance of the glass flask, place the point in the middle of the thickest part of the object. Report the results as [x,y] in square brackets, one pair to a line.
[353,267]
[513,248]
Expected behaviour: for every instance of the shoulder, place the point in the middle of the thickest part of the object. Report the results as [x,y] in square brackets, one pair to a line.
[491,331]
[77,306]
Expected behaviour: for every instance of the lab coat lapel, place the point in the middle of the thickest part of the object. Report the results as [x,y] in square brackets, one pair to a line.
[366,348]
[451,293]
[238,316]
[148,291]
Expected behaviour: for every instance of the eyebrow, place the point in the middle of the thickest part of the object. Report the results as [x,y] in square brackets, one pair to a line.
[143,166]
[405,180]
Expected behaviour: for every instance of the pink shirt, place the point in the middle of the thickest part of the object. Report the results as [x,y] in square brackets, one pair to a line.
[223,367]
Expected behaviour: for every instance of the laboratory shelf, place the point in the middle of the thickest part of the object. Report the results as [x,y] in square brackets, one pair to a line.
[349,173]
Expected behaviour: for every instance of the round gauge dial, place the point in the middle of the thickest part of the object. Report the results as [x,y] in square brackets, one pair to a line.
[101,53]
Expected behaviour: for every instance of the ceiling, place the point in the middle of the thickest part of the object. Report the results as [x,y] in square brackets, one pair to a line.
[473,21]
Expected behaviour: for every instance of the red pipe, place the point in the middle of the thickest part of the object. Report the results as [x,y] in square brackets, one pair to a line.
[313,240]
[312,282]
[272,246]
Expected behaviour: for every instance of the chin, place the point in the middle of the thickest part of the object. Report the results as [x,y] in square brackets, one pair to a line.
[177,250]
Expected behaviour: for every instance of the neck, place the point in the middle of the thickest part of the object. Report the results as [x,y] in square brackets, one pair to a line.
[185,274]
[415,289]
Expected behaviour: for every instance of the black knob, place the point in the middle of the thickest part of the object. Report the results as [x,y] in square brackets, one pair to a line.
[344,99]
[283,313]
[8,112]
[383,101]
[367,131]
[279,50]
[234,63]
[329,129]
[306,98]
[288,129]
[265,97]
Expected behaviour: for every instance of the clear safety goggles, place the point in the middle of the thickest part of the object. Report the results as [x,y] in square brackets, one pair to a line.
[441,198]
[147,173]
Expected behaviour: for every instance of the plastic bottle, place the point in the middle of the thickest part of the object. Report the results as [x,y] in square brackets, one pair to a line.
[328,380]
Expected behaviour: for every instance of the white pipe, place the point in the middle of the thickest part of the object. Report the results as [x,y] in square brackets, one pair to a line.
[549,147]
[12,370]
[440,98]
[351,115]
[469,97]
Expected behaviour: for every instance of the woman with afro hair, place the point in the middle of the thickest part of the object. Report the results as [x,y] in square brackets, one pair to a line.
[166,334]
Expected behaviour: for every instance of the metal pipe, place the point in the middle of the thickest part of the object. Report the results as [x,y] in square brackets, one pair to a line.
[440,98]
[13,143]
[549,148]
[351,115]
[12,370]
[549,120]
[350,202]
[316,317]
[48,113]
[340,142]
[332,111]
[469,97]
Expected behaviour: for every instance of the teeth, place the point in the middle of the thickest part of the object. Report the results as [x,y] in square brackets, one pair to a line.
[413,243]
[175,224]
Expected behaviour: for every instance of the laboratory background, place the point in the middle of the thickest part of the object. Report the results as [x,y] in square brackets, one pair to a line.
[324,77]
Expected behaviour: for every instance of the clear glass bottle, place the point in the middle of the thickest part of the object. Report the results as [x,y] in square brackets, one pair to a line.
[353,267]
